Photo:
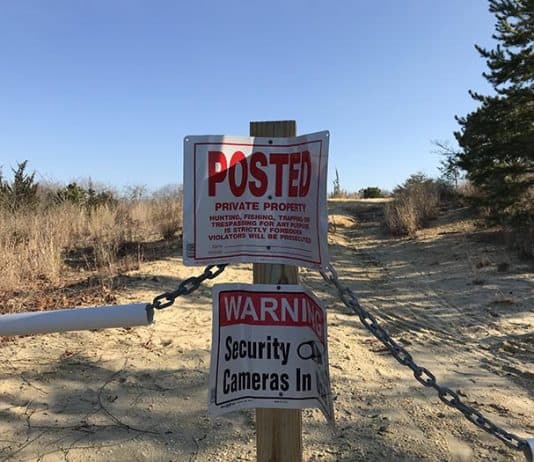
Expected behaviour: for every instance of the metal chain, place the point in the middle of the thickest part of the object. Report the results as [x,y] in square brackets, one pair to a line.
[421,374]
[186,287]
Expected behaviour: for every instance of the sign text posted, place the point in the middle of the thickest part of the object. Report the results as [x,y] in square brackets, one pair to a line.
[269,349]
[253,199]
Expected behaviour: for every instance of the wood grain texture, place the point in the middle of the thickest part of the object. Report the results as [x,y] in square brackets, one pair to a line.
[278,431]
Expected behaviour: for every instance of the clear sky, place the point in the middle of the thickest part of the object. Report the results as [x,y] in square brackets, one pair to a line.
[109,89]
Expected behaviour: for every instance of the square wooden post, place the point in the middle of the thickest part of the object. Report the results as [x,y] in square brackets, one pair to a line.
[278,431]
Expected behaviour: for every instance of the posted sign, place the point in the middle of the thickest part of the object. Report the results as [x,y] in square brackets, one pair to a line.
[269,349]
[254,199]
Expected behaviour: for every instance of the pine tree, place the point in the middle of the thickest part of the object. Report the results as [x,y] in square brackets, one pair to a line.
[497,139]
[21,193]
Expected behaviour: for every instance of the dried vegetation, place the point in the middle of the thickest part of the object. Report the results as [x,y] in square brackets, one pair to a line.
[414,205]
[51,234]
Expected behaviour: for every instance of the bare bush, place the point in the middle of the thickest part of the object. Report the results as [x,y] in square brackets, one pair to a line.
[414,205]
[167,215]
[401,216]
[167,211]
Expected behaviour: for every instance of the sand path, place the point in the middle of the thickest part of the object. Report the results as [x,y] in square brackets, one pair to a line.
[141,394]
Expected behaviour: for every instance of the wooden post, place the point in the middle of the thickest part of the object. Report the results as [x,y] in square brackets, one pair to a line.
[278,431]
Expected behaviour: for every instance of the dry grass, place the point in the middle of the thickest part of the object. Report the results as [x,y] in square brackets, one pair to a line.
[412,209]
[167,215]
[34,245]
[344,194]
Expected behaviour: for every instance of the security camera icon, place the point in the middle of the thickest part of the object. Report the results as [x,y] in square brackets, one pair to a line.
[312,350]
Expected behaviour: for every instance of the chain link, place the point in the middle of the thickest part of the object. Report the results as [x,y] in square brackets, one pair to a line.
[421,374]
[347,296]
[186,287]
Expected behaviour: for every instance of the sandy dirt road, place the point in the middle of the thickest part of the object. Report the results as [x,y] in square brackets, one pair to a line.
[457,301]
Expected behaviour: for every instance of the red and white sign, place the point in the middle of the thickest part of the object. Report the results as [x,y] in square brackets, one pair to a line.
[252,199]
[269,349]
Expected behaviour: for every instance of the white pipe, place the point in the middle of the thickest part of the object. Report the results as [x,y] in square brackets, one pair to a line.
[102,317]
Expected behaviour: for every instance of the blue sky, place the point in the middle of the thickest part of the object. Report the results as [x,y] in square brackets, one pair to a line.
[108,89]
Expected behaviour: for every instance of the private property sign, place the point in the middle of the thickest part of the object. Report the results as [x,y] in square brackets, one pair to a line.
[253,199]
[269,349]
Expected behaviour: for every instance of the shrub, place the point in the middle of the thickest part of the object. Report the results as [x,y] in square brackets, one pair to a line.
[167,211]
[21,192]
[86,196]
[72,193]
[414,204]
[372,192]
[400,216]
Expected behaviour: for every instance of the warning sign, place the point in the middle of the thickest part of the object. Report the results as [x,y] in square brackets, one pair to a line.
[269,349]
[253,199]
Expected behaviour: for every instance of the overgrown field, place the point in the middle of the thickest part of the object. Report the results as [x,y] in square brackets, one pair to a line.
[67,245]
[45,245]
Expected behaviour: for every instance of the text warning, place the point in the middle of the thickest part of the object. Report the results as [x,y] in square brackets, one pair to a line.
[269,349]
[253,199]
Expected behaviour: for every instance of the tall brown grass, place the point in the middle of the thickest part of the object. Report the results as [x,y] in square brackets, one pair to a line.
[34,244]
[167,216]
[412,208]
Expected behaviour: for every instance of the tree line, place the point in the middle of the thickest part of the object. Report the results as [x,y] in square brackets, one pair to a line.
[23,192]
